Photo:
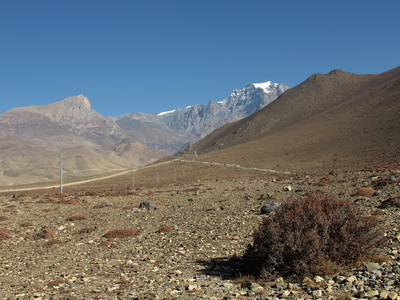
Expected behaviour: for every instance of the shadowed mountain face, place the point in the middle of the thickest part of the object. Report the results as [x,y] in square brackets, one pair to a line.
[335,120]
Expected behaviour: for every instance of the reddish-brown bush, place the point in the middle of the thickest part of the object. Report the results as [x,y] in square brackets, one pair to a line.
[165,229]
[44,234]
[77,218]
[26,224]
[305,234]
[85,230]
[121,233]
[4,234]
[53,242]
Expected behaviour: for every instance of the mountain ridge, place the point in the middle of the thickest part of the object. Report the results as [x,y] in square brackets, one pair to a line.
[92,142]
[333,120]
[196,121]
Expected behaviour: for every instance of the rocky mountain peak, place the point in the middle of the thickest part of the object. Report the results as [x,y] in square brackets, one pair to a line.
[193,122]
[76,103]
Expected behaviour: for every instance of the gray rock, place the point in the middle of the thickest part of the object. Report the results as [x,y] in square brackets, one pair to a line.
[371,266]
[255,287]
[269,208]
[147,205]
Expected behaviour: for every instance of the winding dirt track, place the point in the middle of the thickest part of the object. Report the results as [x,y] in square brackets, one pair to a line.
[57,185]
[66,184]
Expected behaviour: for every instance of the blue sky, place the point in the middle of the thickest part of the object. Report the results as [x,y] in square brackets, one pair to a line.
[154,56]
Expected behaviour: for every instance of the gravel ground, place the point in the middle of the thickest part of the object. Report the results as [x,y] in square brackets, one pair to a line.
[62,246]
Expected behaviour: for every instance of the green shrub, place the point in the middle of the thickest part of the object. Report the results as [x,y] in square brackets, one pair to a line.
[306,235]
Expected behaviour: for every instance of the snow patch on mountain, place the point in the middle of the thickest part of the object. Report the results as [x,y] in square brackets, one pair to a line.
[266,86]
[166,112]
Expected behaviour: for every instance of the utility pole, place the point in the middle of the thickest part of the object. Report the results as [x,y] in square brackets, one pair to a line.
[133,176]
[61,179]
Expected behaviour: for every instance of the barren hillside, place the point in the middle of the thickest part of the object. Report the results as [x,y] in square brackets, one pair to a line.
[335,120]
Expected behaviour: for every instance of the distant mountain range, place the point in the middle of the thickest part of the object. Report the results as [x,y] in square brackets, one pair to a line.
[180,127]
[330,121]
[32,137]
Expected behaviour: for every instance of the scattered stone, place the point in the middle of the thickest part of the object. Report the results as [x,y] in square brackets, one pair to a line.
[255,287]
[384,294]
[371,294]
[192,287]
[371,266]
[269,208]
[317,293]
[287,188]
[147,205]
[351,279]
[128,262]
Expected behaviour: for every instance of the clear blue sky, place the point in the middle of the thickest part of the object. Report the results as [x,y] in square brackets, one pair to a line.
[153,56]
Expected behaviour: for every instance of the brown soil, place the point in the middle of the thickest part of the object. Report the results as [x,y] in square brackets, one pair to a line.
[183,248]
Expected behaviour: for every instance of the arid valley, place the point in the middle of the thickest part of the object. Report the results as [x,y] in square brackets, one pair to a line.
[177,229]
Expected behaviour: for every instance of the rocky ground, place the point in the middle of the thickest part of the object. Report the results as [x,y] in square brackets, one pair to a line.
[96,243]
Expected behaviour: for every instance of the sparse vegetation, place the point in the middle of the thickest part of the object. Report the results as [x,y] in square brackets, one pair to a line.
[311,236]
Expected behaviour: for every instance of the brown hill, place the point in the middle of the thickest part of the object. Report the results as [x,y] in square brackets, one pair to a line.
[335,120]
[31,139]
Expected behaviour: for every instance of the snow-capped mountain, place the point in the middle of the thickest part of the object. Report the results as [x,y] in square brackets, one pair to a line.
[187,125]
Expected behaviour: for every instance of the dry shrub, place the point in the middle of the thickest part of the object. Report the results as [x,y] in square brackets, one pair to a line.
[310,236]
[77,218]
[106,243]
[4,230]
[85,230]
[4,234]
[44,234]
[53,242]
[26,224]
[121,233]
[70,201]
[165,229]
[56,282]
